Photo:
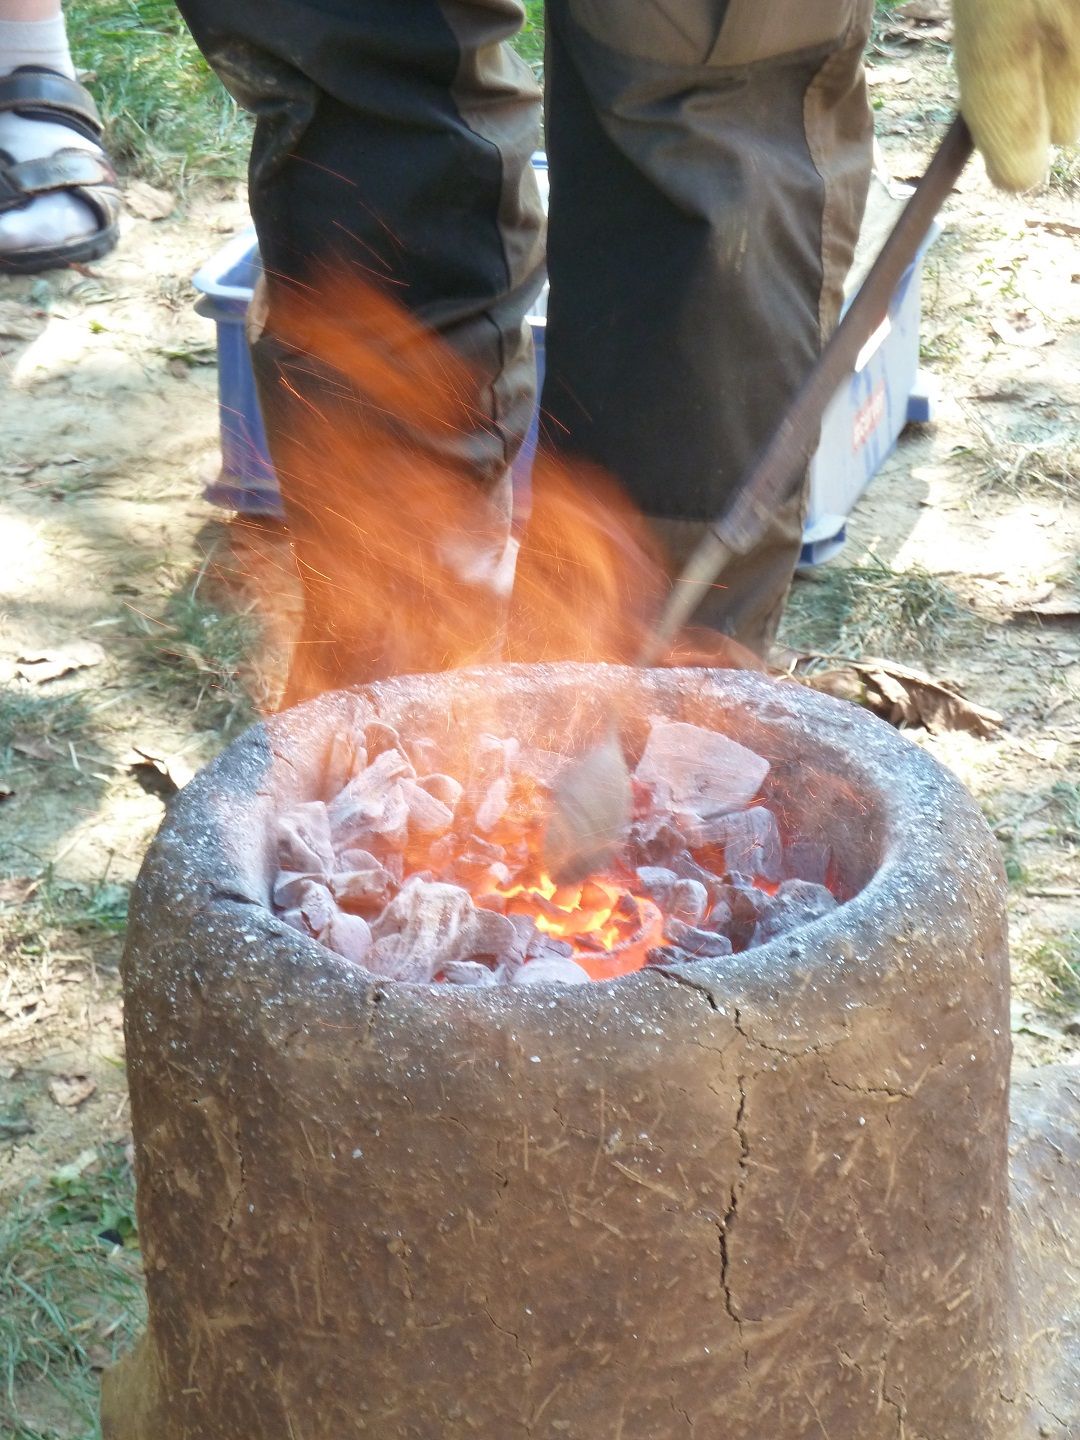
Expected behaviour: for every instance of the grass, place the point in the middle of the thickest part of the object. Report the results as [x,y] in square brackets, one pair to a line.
[1065,170]
[1049,466]
[29,716]
[167,117]
[71,1296]
[530,43]
[1050,964]
[201,651]
[869,609]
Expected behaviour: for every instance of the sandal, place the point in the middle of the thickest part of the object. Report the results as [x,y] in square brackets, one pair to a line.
[38,94]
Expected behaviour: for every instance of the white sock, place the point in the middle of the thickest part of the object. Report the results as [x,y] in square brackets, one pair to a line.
[35,42]
[59,217]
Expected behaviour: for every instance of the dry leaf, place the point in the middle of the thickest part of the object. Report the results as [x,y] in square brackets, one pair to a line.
[71,1090]
[38,666]
[899,694]
[160,775]
[1021,327]
[1052,224]
[148,202]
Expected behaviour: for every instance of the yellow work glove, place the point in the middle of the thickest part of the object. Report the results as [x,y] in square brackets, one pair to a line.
[1019,68]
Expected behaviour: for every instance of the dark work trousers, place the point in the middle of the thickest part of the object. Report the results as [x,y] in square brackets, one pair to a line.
[709,163]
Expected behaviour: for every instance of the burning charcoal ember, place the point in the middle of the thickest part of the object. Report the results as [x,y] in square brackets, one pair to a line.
[695,943]
[807,860]
[380,737]
[317,907]
[432,919]
[719,918]
[426,755]
[699,770]
[363,890]
[688,900]
[546,947]
[492,900]
[654,841]
[304,843]
[687,868]
[468,972]
[345,758]
[525,934]
[746,904]
[372,803]
[427,814]
[294,920]
[444,788]
[542,766]
[492,806]
[750,841]
[553,970]
[348,935]
[657,882]
[290,888]
[797,902]
[664,955]
[491,937]
[493,756]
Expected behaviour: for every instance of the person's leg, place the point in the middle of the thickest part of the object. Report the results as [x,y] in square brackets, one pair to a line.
[709,164]
[392,145]
[33,38]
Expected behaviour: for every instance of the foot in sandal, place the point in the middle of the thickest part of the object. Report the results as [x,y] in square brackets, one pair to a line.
[59,200]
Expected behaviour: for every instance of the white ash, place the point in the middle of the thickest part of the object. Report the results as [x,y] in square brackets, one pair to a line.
[420,874]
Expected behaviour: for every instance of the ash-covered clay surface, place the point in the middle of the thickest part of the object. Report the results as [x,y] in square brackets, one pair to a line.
[427,863]
[761,1193]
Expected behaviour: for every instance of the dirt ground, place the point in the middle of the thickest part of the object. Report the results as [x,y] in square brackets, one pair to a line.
[110,424]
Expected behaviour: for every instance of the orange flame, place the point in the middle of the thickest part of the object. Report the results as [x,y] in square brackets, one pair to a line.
[374,506]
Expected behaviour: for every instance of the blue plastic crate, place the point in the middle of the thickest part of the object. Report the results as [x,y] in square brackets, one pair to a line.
[859,430]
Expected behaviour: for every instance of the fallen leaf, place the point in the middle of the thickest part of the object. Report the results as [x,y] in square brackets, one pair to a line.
[1052,224]
[1021,327]
[38,666]
[71,1090]
[899,694]
[148,202]
[160,775]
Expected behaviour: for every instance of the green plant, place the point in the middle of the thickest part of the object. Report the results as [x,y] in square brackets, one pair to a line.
[71,1295]
[202,649]
[1050,964]
[1065,170]
[167,116]
[530,42]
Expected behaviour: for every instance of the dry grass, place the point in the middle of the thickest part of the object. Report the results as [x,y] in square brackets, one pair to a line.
[868,609]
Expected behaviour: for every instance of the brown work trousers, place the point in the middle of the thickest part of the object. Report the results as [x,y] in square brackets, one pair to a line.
[709,161]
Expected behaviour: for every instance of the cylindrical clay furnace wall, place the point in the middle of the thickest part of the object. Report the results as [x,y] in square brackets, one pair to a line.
[762,1196]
